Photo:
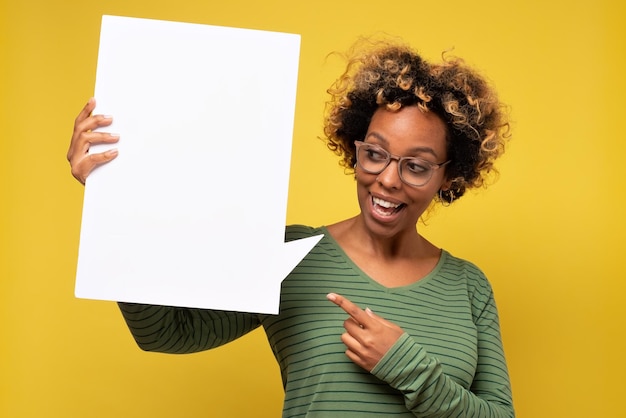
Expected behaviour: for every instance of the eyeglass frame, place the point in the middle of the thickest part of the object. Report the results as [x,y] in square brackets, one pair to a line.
[399,159]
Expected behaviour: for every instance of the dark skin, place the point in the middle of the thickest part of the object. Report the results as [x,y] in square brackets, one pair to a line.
[81,162]
[385,244]
[368,336]
[391,266]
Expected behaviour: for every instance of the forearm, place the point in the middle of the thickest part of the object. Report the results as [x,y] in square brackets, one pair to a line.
[429,392]
[176,330]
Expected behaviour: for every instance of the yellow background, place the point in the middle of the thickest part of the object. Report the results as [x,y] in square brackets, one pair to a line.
[549,233]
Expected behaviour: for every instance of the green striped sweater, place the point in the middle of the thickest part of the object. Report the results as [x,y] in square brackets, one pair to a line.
[449,362]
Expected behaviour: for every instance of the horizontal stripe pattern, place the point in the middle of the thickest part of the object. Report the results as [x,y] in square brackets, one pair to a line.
[449,363]
[452,339]
[175,330]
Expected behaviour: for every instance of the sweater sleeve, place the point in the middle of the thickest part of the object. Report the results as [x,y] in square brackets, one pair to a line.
[177,330]
[429,392]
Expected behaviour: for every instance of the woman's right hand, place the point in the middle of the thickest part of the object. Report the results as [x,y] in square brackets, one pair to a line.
[81,162]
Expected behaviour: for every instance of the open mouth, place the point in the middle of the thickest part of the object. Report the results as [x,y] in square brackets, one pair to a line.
[385,208]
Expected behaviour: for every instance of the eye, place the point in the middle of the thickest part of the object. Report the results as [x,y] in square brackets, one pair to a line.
[376,154]
[416,166]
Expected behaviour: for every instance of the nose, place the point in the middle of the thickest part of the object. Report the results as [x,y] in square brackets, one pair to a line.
[390,176]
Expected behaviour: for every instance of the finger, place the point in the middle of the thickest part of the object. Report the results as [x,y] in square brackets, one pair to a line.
[85,166]
[356,359]
[93,138]
[350,308]
[85,124]
[91,123]
[371,314]
[79,148]
[350,342]
[354,350]
[378,318]
[86,111]
[352,327]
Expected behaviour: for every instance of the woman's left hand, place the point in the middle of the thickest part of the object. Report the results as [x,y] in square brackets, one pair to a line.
[368,336]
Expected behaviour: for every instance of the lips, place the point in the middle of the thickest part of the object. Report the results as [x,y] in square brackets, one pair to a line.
[384,207]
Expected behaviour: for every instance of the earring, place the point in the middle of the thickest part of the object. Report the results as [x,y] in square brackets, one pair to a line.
[446,201]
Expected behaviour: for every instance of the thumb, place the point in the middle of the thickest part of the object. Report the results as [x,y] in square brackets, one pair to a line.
[371,313]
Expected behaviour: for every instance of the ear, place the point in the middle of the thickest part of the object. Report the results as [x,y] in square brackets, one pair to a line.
[447,183]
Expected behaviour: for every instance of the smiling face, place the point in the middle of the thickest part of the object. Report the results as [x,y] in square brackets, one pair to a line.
[388,205]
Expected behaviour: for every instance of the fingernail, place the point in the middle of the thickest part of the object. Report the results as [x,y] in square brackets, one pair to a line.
[114,135]
[331,297]
[369,311]
[112,152]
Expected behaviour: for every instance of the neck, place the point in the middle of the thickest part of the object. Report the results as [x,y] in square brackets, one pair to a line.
[402,245]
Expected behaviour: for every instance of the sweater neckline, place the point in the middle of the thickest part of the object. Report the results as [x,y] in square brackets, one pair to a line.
[397,289]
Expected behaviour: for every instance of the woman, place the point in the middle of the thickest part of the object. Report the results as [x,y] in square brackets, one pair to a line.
[428,342]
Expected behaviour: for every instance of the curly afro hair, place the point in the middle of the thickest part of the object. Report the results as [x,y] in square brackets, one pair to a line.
[392,76]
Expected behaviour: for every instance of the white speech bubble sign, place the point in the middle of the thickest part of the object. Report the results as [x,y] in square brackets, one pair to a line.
[192,211]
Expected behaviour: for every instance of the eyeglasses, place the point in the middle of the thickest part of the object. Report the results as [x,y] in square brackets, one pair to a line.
[413,171]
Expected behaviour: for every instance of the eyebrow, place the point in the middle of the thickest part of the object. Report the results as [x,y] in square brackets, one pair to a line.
[382,139]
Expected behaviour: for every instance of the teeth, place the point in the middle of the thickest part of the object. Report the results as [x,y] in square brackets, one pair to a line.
[384,203]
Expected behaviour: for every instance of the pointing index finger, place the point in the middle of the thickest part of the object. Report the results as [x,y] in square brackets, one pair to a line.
[350,308]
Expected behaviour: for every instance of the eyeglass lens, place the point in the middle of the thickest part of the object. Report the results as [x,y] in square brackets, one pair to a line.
[413,171]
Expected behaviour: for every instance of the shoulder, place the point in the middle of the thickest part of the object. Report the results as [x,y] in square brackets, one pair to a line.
[294,232]
[462,266]
[458,269]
